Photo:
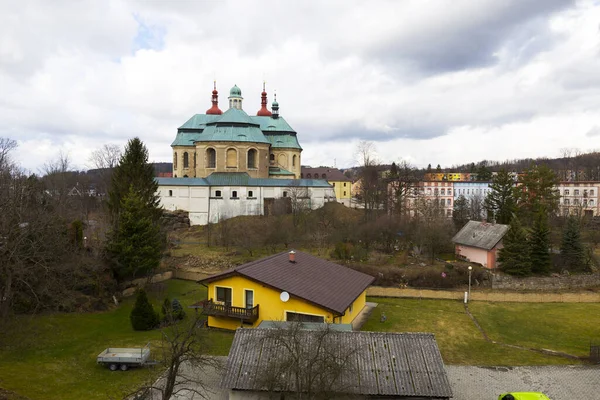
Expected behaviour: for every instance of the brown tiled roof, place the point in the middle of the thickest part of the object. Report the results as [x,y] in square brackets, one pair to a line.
[331,174]
[311,278]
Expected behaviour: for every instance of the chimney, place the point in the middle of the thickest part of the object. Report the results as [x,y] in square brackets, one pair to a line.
[292,256]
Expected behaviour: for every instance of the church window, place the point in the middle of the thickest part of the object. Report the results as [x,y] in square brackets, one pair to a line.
[186,160]
[294,161]
[333,184]
[344,192]
[217,193]
[344,184]
[282,160]
[250,193]
[194,160]
[323,176]
[170,193]
[175,160]
[251,158]
[272,157]
[231,158]
[211,158]
[307,176]
[284,194]
[234,194]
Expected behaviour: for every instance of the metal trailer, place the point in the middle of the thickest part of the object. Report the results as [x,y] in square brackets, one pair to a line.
[124,358]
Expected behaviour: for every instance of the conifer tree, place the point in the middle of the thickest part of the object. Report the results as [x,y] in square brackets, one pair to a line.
[571,248]
[537,189]
[460,214]
[143,317]
[514,257]
[135,245]
[539,242]
[500,202]
[135,172]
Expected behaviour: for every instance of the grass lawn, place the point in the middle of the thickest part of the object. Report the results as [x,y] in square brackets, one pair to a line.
[460,342]
[54,356]
[566,327]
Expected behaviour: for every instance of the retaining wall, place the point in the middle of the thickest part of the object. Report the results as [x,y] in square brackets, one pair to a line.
[561,282]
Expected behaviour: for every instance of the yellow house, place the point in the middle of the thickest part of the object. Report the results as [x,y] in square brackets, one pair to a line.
[342,185]
[293,286]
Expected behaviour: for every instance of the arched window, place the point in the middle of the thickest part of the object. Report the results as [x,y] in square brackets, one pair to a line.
[282,160]
[307,176]
[251,158]
[231,158]
[323,176]
[272,157]
[186,160]
[211,158]
[175,160]
[294,161]
[195,159]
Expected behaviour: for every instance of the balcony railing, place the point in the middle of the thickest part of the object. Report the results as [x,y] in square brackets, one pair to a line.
[222,310]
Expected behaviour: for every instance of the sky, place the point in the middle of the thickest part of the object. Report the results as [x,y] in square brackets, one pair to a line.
[427,81]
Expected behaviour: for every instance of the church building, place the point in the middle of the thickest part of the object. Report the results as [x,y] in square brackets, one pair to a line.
[227,164]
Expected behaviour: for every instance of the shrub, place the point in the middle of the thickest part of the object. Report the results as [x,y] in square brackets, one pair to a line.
[143,317]
[177,310]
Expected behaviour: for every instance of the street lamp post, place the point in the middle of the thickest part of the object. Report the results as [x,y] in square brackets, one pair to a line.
[470,270]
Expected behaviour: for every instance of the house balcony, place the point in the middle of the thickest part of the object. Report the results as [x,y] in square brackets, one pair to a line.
[222,310]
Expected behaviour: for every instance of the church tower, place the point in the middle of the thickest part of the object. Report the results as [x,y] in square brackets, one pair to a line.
[214,110]
[235,98]
[264,111]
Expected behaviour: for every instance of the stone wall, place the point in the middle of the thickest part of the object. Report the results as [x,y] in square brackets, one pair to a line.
[555,282]
[178,219]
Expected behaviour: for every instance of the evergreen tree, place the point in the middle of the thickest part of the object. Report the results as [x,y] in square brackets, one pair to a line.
[438,168]
[571,248]
[178,312]
[537,189]
[393,171]
[460,214]
[514,257]
[500,202]
[539,242]
[135,172]
[143,317]
[484,173]
[428,168]
[135,245]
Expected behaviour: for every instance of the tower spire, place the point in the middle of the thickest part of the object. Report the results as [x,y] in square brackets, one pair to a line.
[214,110]
[264,111]
[275,106]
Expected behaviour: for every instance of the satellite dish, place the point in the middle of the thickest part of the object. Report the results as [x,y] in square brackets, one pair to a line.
[284,296]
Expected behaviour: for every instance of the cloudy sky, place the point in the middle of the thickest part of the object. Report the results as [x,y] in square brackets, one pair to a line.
[428,81]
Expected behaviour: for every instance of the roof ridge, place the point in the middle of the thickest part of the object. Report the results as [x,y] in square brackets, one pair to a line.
[251,263]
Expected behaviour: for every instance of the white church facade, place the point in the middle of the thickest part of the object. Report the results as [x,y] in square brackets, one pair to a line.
[227,164]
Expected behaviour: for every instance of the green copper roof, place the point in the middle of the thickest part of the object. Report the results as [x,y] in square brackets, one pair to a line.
[283,141]
[279,171]
[239,179]
[199,121]
[234,116]
[235,91]
[186,138]
[215,133]
[273,124]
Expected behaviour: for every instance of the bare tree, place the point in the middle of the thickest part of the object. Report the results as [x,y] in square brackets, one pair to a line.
[402,185]
[300,198]
[372,188]
[476,207]
[183,351]
[6,146]
[104,160]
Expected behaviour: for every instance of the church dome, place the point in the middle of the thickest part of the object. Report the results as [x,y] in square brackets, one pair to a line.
[235,91]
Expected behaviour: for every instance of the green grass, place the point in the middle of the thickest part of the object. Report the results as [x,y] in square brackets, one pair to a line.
[54,356]
[565,327]
[461,343]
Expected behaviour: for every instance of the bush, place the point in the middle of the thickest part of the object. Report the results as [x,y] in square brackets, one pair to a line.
[143,317]
[172,311]
[177,310]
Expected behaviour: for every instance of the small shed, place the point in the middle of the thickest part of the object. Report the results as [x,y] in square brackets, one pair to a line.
[374,365]
[479,242]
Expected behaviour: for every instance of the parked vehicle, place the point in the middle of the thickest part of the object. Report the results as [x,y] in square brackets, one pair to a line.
[125,358]
[523,396]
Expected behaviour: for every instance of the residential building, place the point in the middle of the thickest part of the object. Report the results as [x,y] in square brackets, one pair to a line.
[579,198]
[439,193]
[479,242]
[362,365]
[293,286]
[342,185]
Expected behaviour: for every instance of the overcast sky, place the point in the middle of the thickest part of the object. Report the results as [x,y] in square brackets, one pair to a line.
[441,82]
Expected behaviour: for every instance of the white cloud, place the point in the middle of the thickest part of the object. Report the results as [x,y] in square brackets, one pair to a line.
[430,82]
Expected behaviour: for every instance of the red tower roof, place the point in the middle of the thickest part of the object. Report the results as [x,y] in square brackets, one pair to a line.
[215,102]
[263,112]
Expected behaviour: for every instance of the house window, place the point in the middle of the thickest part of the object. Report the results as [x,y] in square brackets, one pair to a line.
[448,213]
[251,158]
[449,192]
[591,203]
[592,192]
[249,298]
[224,295]
[566,192]
[186,160]
[298,317]
[211,158]
[231,158]
[567,202]
[585,202]
[443,192]
[175,160]
[250,193]
[170,193]
[218,193]
[576,192]
[234,194]
[576,202]
[448,202]
[585,192]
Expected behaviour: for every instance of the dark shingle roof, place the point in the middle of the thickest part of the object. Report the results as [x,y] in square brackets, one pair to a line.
[331,174]
[311,278]
[480,234]
[379,363]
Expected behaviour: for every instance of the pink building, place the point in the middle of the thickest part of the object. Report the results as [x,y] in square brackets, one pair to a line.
[479,242]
